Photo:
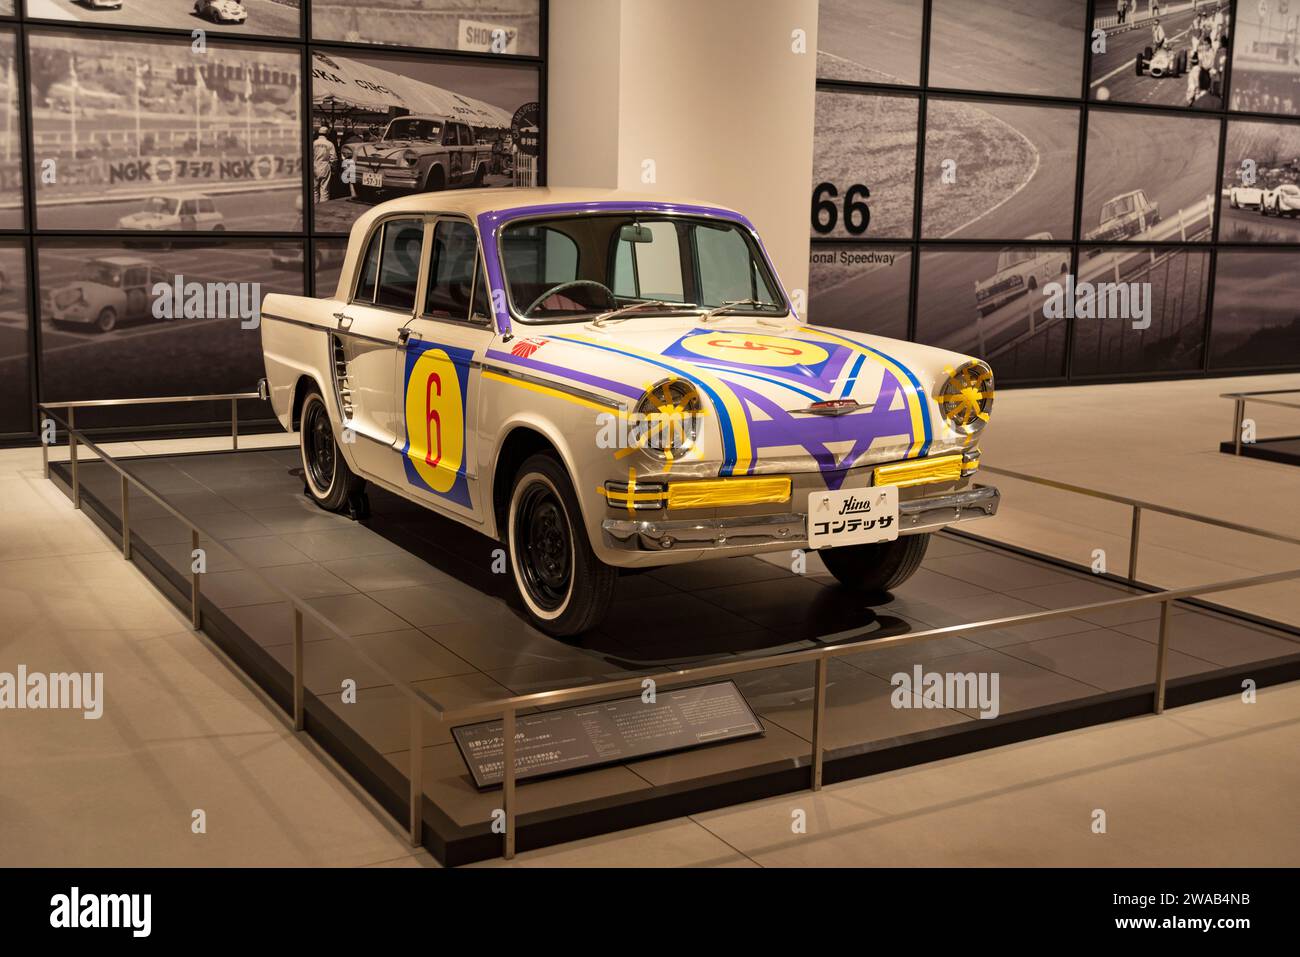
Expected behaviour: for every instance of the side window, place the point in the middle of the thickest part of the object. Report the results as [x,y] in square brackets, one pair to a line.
[449,135]
[370,268]
[135,276]
[726,270]
[399,263]
[451,270]
[481,309]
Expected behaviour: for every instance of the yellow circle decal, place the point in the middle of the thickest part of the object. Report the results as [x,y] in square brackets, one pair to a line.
[435,420]
[755,350]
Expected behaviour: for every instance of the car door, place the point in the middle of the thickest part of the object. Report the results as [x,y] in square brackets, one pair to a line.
[365,345]
[455,140]
[135,285]
[439,373]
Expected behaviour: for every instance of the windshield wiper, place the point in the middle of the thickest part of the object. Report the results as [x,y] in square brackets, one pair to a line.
[626,311]
[730,304]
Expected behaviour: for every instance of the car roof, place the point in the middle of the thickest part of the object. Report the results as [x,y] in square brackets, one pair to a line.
[122,260]
[473,202]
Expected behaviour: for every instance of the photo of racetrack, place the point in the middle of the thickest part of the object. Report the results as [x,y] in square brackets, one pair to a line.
[869,41]
[1266,71]
[15,344]
[1173,54]
[11,145]
[1011,46]
[440,24]
[137,126]
[881,288]
[143,354]
[1256,309]
[268,18]
[1015,169]
[1259,158]
[1149,178]
[1177,281]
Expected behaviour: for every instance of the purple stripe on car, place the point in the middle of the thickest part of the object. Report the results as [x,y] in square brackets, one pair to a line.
[563,372]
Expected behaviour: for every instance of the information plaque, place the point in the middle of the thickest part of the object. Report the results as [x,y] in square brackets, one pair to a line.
[588,735]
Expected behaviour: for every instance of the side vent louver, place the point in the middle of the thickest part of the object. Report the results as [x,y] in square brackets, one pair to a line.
[341,384]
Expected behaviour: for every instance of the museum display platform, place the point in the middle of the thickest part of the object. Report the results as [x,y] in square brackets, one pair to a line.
[421,595]
[1283,450]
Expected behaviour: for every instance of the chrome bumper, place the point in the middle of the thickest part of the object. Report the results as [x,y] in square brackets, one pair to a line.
[917,515]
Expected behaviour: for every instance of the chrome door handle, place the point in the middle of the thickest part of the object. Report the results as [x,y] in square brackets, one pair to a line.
[343,319]
[405,335]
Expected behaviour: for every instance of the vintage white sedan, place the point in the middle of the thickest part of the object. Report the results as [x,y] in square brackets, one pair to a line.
[605,381]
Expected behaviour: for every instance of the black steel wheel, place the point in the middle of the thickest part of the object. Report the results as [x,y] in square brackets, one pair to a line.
[565,588]
[329,481]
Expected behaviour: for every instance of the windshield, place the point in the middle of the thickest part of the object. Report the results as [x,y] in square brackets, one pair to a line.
[1014,257]
[1117,207]
[577,267]
[160,204]
[414,130]
[105,274]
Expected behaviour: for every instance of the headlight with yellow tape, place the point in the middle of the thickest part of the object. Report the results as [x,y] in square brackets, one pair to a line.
[966,397]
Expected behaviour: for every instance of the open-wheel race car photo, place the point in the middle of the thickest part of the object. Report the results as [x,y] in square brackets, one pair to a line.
[1160,62]
[608,382]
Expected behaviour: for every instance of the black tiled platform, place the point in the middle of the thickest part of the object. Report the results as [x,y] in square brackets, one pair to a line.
[1284,450]
[420,592]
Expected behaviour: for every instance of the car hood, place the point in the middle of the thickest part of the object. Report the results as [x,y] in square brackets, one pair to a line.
[388,147]
[145,220]
[757,380]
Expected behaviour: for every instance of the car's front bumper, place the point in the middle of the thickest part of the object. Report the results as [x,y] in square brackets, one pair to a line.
[789,529]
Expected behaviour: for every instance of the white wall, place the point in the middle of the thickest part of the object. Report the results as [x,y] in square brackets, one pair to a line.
[711,91]
[582,93]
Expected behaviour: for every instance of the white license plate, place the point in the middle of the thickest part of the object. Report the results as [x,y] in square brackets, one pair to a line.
[857,516]
[372,179]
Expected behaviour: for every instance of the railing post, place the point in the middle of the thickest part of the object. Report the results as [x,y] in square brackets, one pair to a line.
[72,453]
[45,446]
[194,579]
[234,424]
[297,671]
[1162,655]
[416,771]
[1134,531]
[508,779]
[819,721]
[126,517]
[1238,420]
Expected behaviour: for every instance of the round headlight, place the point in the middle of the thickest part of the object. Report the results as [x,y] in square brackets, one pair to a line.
[966,398]
[409,157]
[668,419]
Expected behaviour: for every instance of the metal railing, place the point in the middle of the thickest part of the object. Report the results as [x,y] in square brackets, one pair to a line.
[1239,400]
[853,641]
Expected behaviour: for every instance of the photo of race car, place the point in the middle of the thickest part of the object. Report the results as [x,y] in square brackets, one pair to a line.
[1283,200]
[1243,197]
[1161,62]
[220,11]
[107,291]
[1021,270]
[1126,216]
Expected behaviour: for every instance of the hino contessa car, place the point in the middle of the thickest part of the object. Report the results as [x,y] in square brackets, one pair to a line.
[607,382]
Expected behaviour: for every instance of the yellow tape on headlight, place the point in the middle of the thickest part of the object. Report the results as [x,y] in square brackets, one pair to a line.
[715,493]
